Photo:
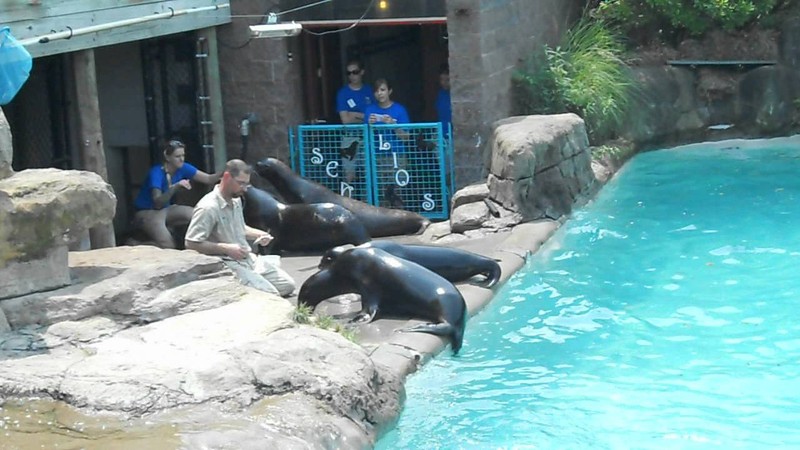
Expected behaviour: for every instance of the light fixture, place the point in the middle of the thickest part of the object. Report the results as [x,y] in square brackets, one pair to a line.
[275,30]
[383,4]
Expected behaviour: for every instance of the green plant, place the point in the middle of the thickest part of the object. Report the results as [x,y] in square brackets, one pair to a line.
[302,314]
[607,151]
[535,87]
[693,16]
[586,75]
[325,322]
[348,333]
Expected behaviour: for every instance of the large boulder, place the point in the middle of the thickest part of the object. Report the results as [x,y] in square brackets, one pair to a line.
[540,165]
[766,98]
[39,210]
[665,105]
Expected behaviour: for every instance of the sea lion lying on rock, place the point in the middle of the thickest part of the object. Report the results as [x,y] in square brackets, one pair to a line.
[453,264]
[391,286]
[302,227]
[378,221]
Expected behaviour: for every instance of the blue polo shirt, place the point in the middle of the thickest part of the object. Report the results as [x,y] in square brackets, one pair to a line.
[388,137]
[348,99]
[157,179]
[443,110]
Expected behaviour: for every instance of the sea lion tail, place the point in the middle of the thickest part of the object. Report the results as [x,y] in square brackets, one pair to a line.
[492,274]
[455,334]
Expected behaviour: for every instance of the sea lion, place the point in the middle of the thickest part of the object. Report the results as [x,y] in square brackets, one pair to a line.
[391,286]
[453,264]
[378,221]
[302,227]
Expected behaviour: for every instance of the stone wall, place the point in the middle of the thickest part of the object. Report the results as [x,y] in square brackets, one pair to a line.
[679,104]
[258,76]
[488,39]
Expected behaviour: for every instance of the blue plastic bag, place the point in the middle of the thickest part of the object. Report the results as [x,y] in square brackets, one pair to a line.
[15,66]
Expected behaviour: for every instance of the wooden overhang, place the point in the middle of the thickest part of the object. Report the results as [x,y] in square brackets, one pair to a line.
[53,27]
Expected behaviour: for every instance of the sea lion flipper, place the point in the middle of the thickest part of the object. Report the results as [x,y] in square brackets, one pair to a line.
[491,274]
[440,329]
[367,314]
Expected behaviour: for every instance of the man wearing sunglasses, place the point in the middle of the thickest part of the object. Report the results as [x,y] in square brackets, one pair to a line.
[218,228]
[353,97]
[351,101]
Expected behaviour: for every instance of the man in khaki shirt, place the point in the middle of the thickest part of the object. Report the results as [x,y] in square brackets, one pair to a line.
[218,228]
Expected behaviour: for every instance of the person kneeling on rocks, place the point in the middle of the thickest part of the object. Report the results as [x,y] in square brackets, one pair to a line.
[217,228]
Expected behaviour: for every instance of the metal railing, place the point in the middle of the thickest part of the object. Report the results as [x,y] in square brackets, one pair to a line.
[403,166]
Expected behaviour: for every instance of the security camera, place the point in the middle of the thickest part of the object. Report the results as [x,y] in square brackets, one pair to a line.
[275,30]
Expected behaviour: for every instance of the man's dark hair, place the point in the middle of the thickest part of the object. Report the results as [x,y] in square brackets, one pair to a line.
[355,62]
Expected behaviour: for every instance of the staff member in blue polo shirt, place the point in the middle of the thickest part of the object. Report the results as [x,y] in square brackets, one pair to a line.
[351,100]
[155,213]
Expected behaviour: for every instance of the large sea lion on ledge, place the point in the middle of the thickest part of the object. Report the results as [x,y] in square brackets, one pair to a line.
[451,263]
[378,221]
[302,227]
[391,286]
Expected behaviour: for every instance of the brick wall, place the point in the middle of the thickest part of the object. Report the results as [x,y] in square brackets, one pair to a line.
[258,76]
[488,39]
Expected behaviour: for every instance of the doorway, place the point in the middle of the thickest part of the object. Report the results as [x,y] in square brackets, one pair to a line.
[408,55]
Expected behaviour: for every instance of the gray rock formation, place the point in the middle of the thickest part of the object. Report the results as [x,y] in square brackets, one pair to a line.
[697,103]
[540,165]
[39,210]
[144,330]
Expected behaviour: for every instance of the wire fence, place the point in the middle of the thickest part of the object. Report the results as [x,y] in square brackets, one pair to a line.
[401,166]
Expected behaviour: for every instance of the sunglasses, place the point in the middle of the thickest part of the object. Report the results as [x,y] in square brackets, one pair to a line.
[354,72]
[176,144]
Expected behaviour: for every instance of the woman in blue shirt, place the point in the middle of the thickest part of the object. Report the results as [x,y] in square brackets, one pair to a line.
[389,145]
[155,213]
[385,111]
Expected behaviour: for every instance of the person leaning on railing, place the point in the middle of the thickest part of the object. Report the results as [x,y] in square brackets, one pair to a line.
[388,143]
[155,213]
[351,100]
[386,111]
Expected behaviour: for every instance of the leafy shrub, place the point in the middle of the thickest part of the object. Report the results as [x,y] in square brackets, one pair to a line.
[586,75]
[693,16]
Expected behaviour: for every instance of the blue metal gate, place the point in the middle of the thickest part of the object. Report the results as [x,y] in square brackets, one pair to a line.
[403,166]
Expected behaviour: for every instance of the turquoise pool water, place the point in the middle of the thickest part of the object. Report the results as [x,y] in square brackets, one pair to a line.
[662,315]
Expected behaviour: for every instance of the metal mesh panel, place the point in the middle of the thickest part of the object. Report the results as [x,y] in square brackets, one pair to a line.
[334,156]
[407,166]
[38,118]
[169,67]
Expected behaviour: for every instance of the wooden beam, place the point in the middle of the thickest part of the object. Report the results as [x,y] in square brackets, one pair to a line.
[90,132]
[33,21]
[723,62]
[214,87]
